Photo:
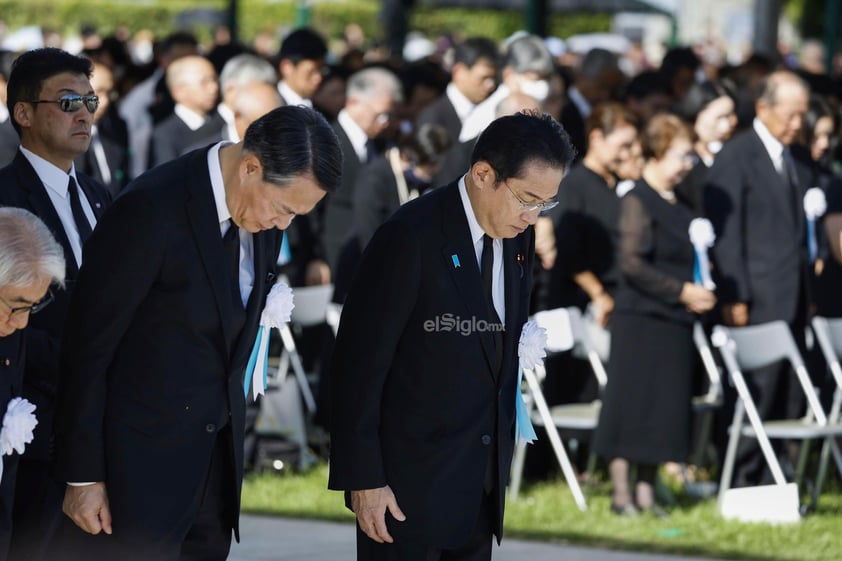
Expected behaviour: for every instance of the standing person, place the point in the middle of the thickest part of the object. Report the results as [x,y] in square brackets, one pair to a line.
[300,63]
[164,317]
[754,196]
[422,415]
[52,104]
[646,410]
[31,261]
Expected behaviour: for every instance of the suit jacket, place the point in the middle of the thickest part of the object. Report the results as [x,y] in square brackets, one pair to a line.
[152,370]
[20,187]
[172,137]
[441,112]
[11,382]
[419,399]
[9,142]
[114,136]
[760,252]
[339,205]
[574,123]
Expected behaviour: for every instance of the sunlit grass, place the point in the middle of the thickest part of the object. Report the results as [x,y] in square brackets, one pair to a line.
[547,512]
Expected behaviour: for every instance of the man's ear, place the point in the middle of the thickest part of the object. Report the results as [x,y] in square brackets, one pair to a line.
[483,174]
[250,167]
[22,114]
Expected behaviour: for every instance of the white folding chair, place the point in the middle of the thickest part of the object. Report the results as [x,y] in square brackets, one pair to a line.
[749,348]
[311,308]
[828,332]
[564,331]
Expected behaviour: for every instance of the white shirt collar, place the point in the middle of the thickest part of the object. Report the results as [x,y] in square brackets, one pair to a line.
[193,120]
[230,126]
[52,176]
[355,133]
[476,230]
[773,146]
[291,97]
[582,104]
[461,104]
[217,184]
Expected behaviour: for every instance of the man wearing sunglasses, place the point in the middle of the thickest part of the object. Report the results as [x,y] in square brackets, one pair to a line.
[30,262]
[51,103]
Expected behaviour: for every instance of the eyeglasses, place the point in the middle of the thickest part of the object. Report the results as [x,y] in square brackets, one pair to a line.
[531,207]
[383,117]
[31,309]
[71,103]
[685,158]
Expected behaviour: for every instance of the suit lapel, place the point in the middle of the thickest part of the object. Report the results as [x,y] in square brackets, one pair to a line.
[201,211]
[460,260]
[514,274]
[254,305]
[766,175]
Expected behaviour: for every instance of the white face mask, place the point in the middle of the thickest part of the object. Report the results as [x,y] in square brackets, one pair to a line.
[538,89]
[714,147]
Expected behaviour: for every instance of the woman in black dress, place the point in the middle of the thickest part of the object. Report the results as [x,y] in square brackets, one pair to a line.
[646,409]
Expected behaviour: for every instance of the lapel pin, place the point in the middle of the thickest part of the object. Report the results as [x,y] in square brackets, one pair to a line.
[456,263]
[97,205]
[519,258]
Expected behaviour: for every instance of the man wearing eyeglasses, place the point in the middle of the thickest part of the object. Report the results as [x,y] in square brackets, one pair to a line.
[51,102]
[424,372]
[30,262]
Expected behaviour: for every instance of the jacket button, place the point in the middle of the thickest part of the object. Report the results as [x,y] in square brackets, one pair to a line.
[210,428]
[486,440]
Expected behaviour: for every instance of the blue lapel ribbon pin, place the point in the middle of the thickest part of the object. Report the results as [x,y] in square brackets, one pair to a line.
[455,258]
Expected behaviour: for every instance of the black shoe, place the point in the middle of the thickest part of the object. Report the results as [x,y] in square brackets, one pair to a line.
[625,510]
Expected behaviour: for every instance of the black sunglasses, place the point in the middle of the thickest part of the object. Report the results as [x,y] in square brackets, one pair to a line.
[71,103]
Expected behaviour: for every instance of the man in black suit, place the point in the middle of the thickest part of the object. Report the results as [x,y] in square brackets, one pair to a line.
[9,140]
[195,122]
[424,375]
[31,261]
[372,96]
[51,101]
[754,196]
[107,159]
[473,77]
[300,63]
[165,313]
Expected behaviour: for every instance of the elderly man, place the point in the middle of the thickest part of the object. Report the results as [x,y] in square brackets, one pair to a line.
[423,414]
[372,96]
[754,196]
[151,405]
[192,83]
[31,260]
[241,73]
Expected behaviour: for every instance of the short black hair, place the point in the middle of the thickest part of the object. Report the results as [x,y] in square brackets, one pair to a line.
[31,69]
[510,142]
[649,82]
[698,96]
[294,140]
[302,44]
[476,49]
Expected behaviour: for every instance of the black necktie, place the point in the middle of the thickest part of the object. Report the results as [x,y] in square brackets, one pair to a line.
[791,179]
[83,227]
[231,244]
[486,269]
[370,150]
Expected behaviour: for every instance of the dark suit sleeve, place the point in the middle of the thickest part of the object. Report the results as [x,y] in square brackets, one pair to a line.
[121,262]
[370,201]
[725,206]
[373,318]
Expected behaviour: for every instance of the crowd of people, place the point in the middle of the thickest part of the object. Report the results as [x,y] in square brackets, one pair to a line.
[602,210]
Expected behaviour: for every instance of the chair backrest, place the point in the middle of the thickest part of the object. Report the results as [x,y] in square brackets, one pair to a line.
[311,304]
[565,330]
[756,346]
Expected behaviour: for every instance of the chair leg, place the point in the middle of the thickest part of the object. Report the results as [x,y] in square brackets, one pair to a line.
[731,451]
[517,471]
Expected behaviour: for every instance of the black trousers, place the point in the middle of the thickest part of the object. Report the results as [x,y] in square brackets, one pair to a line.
[477,548]
[207,539]
[36,513]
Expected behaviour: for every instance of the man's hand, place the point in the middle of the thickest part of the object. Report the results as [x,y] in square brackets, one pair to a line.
[603,306]
[545,242]
[317,273]
[370,507]
[697,298]
[87,506]
[735,315]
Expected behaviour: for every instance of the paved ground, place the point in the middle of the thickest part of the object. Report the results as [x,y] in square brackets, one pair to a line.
[283,539]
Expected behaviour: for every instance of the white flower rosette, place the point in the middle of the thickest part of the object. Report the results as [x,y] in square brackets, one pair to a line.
[276,312]
[702,237]
[19,422]
[531,351]
[815,205]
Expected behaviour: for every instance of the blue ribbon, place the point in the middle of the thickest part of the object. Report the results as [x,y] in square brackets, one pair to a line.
[523,423]
[285,255]
[697,271]
[253,362]
[812,244]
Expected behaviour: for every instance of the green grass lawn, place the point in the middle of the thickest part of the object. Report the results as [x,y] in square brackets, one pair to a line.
[547,512]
